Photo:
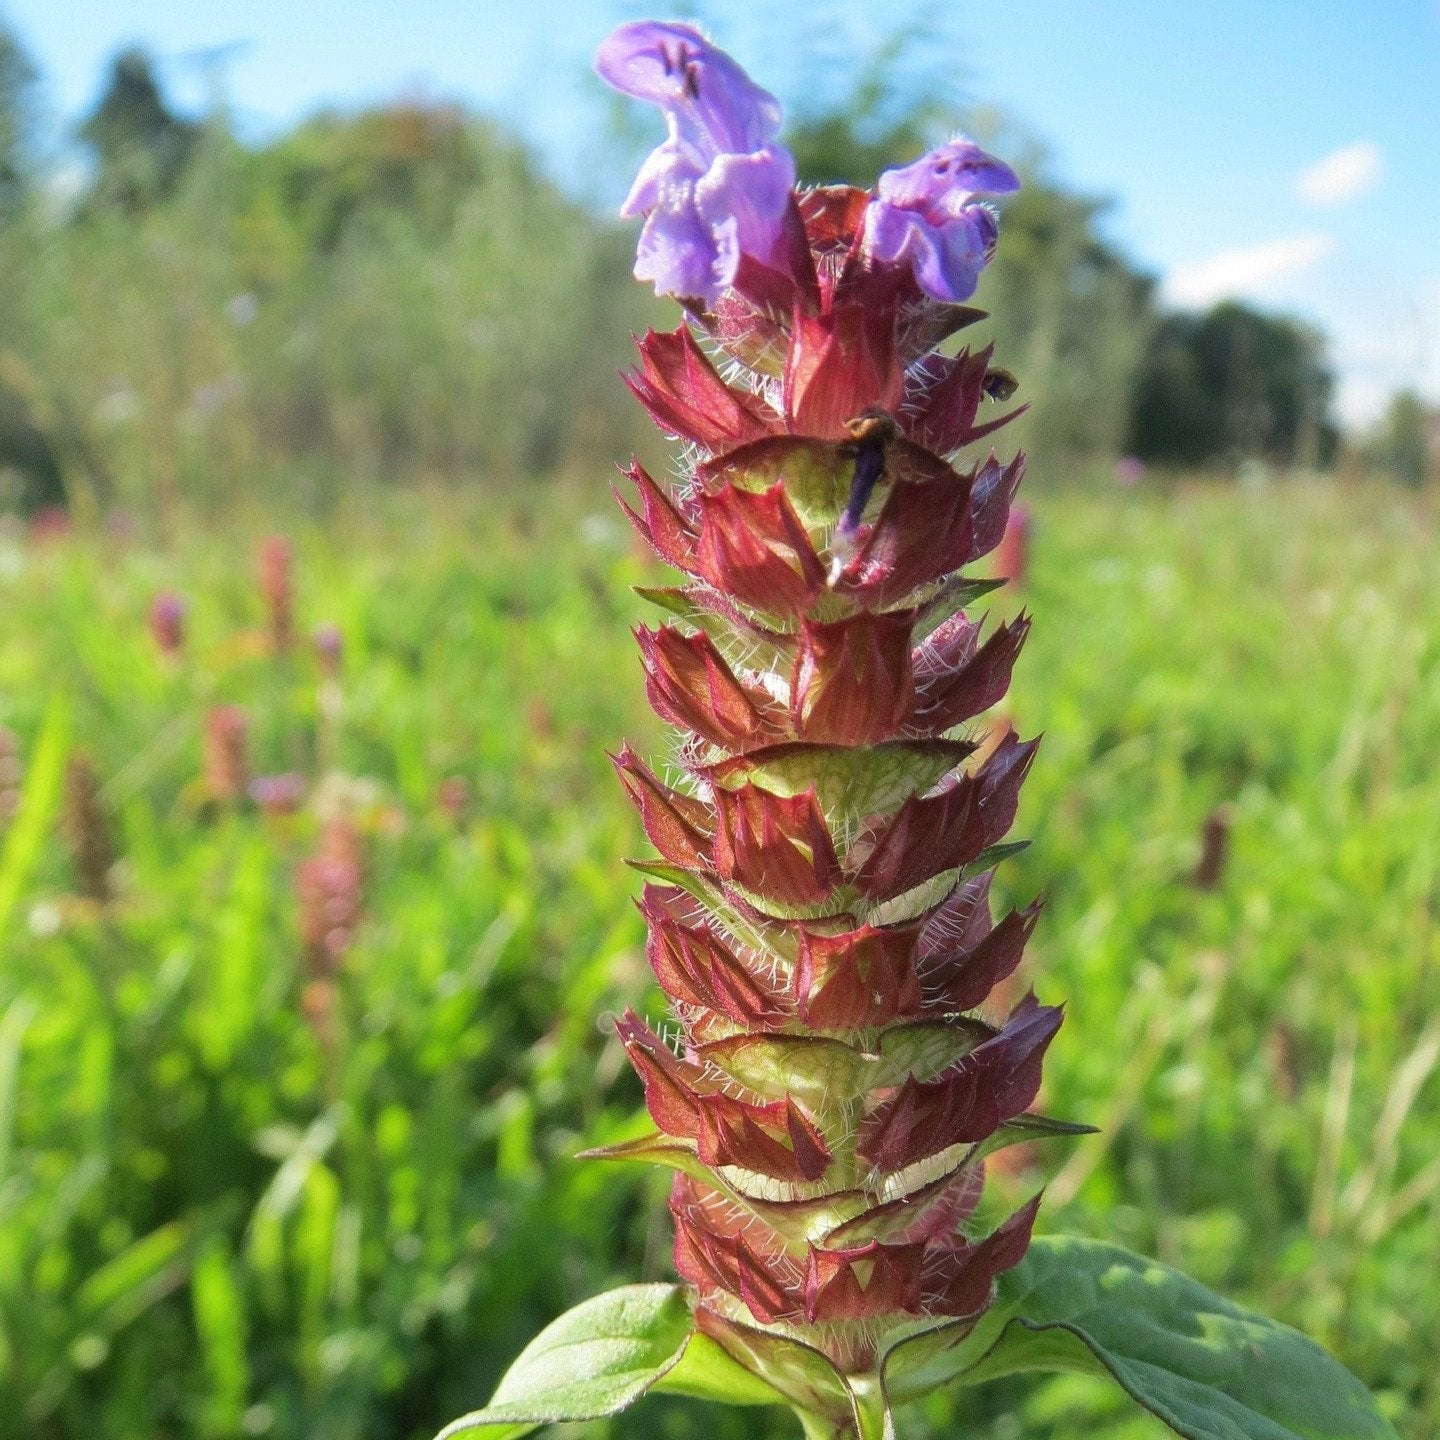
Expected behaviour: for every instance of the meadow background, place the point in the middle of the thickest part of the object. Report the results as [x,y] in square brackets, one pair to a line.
[300,1030]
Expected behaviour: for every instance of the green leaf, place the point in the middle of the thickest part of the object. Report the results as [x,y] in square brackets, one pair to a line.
[992,855]
[806,1378]
[761,646]
[38,802]
[593,1361]
[138,1277]
[699,886]
[967,592]
[706,1372]
[926,1359]
[850,782]
[1207,1368]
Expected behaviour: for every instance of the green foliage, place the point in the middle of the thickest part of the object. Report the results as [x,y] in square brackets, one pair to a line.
[1070,316]
[1406,440]
[210,1224]
[1209,1369]
[17,90]
[141,146]
[595,1360]
[402,295]
[1233,383]
[396,295]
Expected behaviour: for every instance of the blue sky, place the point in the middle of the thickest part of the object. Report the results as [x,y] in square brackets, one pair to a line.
[1287,151]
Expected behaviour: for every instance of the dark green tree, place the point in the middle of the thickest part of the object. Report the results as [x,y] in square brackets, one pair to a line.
[141,146]
[1230,384]
[1406,440]
[17,116]
[1072,313]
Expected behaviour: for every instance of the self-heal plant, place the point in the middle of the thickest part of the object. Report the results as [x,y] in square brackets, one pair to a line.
[819,913]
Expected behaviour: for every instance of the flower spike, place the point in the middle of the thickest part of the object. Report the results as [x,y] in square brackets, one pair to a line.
[822,942]
[833,1078]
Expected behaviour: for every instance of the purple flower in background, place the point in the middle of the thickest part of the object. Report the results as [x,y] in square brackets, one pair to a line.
[718,187]
[1129,470]
[278,794]
[329,648]
[926,216]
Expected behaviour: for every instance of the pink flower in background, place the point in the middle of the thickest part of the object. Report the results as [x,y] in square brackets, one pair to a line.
[167,622]
[278,795]
[276,563]
[1012,557]
[226,751]
[1129,470]
[50,523]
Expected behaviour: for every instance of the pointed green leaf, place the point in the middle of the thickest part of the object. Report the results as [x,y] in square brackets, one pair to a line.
[922,1361]
[1207,1368]
[967,592]
[1031,1126]
[706,1372]
[806,1378]
[700,886]
[45,775]
[593,1361]
[763,647]
[992,855]
[655,1149]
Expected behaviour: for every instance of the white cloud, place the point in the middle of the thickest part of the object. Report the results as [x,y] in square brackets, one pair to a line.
[1246,271]
[1343,175]
[1395,347]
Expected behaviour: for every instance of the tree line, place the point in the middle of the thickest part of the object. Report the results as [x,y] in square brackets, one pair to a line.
[401,294]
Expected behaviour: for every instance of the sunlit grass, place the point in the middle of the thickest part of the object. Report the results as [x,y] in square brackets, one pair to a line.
[216,1219]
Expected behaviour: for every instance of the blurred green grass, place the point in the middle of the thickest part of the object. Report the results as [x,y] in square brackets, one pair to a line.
[212,1223]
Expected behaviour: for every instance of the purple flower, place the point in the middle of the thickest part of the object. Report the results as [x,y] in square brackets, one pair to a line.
[717,188]
[926,216]
[329,647]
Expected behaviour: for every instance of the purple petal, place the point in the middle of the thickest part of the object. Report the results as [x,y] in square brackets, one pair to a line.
[753,192]
[926,215]
[947,258]
[677,252]
[940,184]
[665,167]
[887,231]
[708,99]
